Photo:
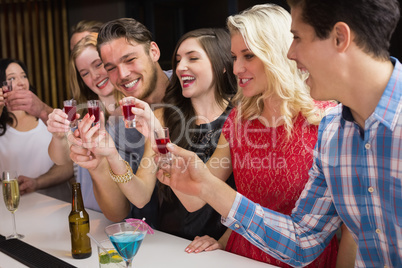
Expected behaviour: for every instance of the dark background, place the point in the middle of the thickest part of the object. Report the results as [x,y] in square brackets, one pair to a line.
[168,19]
[37,32]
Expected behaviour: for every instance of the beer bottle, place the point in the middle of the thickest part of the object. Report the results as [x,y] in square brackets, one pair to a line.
[79,225]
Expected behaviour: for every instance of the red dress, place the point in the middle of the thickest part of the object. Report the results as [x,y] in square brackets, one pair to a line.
[272,170]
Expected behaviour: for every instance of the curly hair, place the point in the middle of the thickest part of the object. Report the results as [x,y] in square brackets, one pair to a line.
[266,31]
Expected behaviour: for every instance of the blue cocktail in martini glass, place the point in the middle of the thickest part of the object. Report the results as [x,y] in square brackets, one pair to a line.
[126,238]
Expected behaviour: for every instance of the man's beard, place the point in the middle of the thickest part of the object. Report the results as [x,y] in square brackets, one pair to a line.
[152,83]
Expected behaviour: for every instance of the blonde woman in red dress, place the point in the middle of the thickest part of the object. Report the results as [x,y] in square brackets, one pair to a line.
[272,130]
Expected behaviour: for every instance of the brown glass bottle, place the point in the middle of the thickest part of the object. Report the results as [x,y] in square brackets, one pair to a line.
[79,225]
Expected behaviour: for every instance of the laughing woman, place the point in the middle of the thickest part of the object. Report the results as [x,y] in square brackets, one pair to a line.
[89,81]
[269,136]
[196,105]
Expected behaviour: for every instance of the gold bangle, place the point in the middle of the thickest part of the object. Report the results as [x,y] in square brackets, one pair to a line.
[124,177]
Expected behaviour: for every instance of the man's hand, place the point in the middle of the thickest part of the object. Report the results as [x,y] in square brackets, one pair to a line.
[185,173]
[2,100]
[189,175]
[145,118]
[27,101]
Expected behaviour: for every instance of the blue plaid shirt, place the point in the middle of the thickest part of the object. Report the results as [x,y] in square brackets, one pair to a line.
[356,178]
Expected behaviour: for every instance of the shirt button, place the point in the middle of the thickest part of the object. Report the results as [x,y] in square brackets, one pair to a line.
[237,226]
[378,231]
[367,146]
[371,189]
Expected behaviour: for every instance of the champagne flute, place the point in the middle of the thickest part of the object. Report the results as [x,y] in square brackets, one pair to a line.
[11,194]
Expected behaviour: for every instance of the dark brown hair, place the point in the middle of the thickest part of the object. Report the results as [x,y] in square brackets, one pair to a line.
[372,21]
[216,44]
[6,117]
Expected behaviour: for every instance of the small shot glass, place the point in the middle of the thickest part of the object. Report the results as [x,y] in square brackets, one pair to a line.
[162,139]
[7,86]
[94,110]
[70,108]
[129,117]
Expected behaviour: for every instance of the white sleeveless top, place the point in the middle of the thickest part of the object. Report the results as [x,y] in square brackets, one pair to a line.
[27,154]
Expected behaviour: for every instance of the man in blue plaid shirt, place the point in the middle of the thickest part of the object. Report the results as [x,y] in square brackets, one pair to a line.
[356,176]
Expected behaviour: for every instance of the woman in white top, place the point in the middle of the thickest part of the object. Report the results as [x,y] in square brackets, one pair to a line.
[24,141]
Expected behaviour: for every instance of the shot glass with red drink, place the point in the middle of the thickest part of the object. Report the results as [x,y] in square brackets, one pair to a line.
[70,108]
[94,110]
[162,139]
[129,117]
[7,86]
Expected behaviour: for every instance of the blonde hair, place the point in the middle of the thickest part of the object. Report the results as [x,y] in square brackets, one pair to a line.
[266,32]
[81,92]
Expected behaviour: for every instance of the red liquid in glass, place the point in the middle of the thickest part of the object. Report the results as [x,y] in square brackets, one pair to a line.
[128,115]
[70,111]
[6,89]
[94,111]
[161,144]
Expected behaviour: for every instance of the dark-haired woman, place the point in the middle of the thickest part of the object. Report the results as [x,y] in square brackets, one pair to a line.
[196,105]
[24,140]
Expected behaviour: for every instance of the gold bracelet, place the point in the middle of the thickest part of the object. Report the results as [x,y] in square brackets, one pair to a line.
[124,177]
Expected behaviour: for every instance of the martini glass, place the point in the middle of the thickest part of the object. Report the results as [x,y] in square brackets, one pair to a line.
[126,239]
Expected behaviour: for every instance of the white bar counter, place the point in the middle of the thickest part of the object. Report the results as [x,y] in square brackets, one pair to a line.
[44,222]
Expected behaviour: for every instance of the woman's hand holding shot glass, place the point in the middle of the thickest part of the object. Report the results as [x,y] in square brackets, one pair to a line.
[95,146]
[58,123]
[91,142]
[61,124]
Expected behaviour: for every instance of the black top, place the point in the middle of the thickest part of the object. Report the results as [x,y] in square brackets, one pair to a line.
[173,217]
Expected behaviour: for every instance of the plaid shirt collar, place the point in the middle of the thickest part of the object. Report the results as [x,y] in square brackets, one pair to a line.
[390,105]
